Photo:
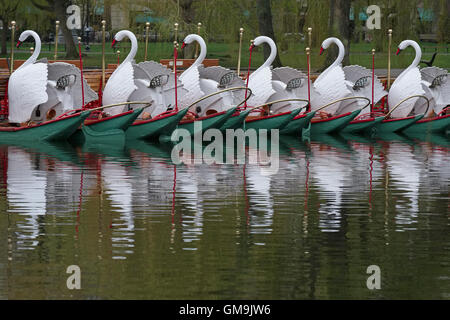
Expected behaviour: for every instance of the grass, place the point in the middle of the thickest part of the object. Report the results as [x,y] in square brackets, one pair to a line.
[227,54]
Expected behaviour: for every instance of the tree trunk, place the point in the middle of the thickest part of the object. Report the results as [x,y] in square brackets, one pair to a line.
[339,26]
[4,36]
[266,28]
[187,15]
[60,12]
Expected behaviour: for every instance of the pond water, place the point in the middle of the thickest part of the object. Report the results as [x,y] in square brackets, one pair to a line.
[140,227]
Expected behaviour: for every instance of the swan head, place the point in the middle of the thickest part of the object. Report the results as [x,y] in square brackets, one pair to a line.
[327,42]
[261,39]
[191,38]
[24,36]
[403,45]
[119,36]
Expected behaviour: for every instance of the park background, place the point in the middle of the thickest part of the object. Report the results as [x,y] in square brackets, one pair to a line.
[287,21]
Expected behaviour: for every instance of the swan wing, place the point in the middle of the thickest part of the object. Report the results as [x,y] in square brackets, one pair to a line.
[406,85]
[26,90]
[260,82]
[190,79]
[360,79]
[216,78]
[330,87]
[68,82]
[119,87]
[293,78]
[437,80]
[155,72]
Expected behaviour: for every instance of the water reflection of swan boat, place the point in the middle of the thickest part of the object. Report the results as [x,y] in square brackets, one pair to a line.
[118,189]
[26,194]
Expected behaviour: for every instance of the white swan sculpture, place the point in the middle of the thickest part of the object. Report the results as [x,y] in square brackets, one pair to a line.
[37,87]
[190,78]
[336,82]
[146,81]
[260,81]
[431,82]
[210,80]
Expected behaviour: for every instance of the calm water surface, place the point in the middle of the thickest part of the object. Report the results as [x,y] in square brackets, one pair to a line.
[140,227]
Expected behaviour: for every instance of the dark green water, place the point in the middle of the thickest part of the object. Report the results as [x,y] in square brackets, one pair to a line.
[140,227]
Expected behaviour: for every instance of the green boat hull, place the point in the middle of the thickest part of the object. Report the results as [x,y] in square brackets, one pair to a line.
[60,129]
[361,125]
[235,121]
[277,121]
[156,127]
[295,126]
[333,124]
[434,125]
[395,125]
[121,121]
[212,122]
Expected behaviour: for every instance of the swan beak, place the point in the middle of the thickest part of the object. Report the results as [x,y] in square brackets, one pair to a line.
[18,43]
[183,45]
[113,43]
[321,51]
[398,51]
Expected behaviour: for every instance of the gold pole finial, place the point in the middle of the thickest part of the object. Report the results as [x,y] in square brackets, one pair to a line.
[147,29]
[241,33]
[389,58]
[31,50]
[373,51]
[55,56]
[176,31]
[13,30]
[103,54]
[309,37]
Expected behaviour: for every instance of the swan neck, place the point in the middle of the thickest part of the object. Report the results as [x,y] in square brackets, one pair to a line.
[416,60]
[37,49]
[134,47]
[273,54]
[201,55]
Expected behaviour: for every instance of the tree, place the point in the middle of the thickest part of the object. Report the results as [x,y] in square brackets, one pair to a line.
[8,11]
[58,7]
[339,26]
[264,12]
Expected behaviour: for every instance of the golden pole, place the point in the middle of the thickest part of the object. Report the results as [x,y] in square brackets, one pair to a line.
[175,43]
[13,30]
[176,32]
[147,28]
[389,59]
[241,33]
[103,53]
[56,39]
[118,57]
[199,26]
[309,37]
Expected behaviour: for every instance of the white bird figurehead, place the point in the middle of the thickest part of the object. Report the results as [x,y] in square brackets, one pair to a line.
[330,84]
[121,83]
[195,37]
[407,84]
[260,81]
[37,47]
[190,78]
[27,84]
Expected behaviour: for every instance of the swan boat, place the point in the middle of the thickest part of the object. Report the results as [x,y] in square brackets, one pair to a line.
[409,113]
